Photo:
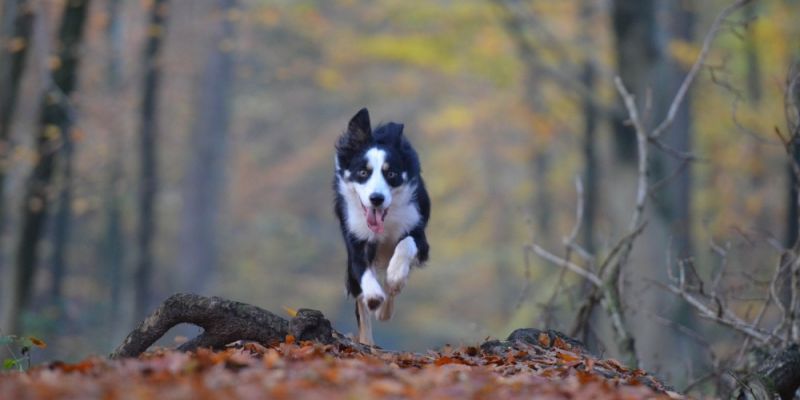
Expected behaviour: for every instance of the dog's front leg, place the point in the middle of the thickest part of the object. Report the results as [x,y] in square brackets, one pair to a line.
[404,255]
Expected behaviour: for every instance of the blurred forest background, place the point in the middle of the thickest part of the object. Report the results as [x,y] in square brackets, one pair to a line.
[157,146]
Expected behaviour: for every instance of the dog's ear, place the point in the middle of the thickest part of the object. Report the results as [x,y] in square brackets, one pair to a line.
[359,128]
[395,133]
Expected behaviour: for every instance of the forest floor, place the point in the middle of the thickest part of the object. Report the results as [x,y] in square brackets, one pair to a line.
[550,369]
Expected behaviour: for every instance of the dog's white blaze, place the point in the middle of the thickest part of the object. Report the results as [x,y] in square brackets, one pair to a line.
[370,287]
[403,215]
[397,274]
[376,182]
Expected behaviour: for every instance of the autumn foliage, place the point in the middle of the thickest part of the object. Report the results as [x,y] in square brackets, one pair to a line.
[308,370]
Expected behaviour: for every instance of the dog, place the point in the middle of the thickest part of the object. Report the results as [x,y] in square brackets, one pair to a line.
[383,209]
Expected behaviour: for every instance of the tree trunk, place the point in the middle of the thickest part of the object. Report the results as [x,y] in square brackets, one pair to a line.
[113,242]
[148,163]
[590,120]
[793,202]
[55,125]
[751,55]
[202,197]
[679,137]
[15,35]
[61,225]
[637,53]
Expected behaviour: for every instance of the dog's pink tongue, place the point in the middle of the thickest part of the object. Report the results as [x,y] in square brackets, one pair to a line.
[374,221]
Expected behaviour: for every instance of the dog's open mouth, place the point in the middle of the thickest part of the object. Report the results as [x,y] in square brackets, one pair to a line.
[375,218]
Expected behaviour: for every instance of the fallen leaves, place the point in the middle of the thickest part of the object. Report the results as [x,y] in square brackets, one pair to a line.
[314,371]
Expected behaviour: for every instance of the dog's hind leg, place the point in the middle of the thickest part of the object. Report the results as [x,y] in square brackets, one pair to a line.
[364,322]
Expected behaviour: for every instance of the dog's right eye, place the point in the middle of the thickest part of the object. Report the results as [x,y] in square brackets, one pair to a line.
[363,173]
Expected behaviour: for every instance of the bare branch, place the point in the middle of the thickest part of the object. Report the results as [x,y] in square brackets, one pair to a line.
[723,316]
[566,264]
[692,74]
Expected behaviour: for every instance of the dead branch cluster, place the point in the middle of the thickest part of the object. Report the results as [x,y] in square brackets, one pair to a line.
[776,373]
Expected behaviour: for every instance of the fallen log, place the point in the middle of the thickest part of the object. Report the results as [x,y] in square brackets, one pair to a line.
[224,322]
[778,376]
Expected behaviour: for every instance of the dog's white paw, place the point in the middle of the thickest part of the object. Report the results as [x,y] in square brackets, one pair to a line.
[372,295]
[399,265]
[396,277]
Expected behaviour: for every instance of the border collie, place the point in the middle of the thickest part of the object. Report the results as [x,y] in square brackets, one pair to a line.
[382,206]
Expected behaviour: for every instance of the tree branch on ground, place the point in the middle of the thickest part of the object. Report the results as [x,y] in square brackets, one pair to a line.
[224,322]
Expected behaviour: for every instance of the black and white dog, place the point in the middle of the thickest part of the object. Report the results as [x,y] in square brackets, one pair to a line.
[382,208]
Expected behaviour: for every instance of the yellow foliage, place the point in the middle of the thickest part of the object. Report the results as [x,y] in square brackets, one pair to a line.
[454,117]
[328,78]
[52,132]
[155,30]
[54,62]
[685,53]
[417,50]
[269,17]
[16,44]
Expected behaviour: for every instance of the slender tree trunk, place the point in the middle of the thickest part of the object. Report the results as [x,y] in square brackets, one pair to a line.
[15,37]
[751,54]
[793,202]
[148,162]
[679,189]
[637,53]
[591,167]
[113,243]
[55,117]
[590,117]
[61,224]
[202,196]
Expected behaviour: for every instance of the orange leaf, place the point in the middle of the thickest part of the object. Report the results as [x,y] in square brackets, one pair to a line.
[291,311]
[289,339]
[568,357]
[447,360]
[544,339]
[37,342]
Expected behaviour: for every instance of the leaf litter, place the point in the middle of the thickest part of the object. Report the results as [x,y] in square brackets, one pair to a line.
[311,370]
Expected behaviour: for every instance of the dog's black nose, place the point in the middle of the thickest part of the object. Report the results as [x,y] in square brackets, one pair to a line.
[376,199]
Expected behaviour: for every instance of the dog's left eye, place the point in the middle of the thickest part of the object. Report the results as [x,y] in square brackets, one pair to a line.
[363,173]
[391,174]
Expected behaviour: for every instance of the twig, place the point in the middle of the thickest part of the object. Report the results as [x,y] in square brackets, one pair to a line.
[575,268]
[692,74]
[723,316]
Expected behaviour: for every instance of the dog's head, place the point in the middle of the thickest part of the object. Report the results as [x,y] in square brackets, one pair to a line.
[375,164]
